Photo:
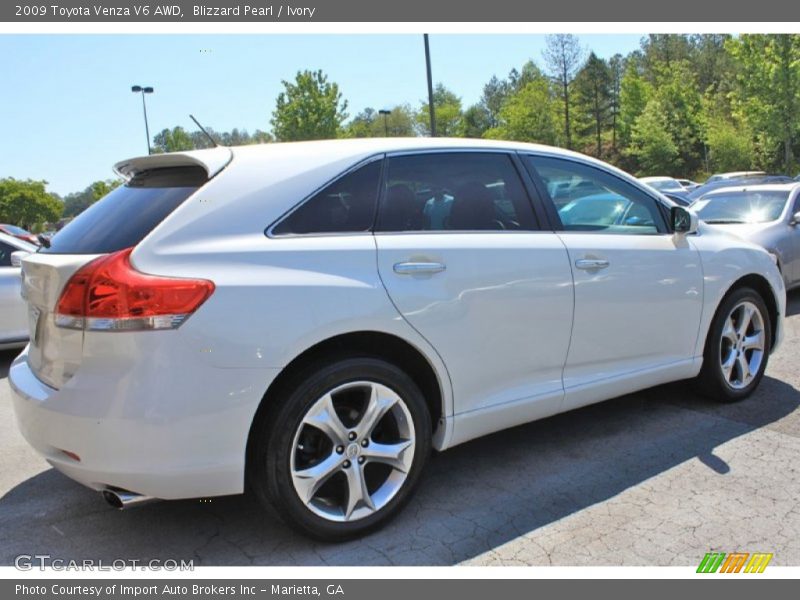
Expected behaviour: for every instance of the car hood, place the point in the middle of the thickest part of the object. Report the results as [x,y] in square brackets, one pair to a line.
[742,230]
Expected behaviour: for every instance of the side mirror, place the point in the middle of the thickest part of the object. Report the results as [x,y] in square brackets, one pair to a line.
[683,221]
[795,219]
[16,258]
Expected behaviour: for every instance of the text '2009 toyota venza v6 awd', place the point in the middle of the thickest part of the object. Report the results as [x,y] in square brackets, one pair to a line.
[310,320]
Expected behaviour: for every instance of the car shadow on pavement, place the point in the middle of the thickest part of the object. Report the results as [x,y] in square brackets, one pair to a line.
[472,498]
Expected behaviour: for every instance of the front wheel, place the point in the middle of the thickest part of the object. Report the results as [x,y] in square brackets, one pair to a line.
[737,347]
[344,450]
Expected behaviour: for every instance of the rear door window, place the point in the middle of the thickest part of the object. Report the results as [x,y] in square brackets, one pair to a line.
[454,191]
[124,217]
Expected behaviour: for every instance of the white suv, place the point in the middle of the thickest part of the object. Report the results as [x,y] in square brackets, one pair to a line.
[310,319]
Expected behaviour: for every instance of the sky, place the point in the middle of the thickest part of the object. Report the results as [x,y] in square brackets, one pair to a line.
[67,113]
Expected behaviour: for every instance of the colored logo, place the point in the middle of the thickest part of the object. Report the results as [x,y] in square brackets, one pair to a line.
[736,562]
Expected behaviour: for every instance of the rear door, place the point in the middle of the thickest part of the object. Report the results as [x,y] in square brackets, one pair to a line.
[638,287]
[119,220]
[463,259]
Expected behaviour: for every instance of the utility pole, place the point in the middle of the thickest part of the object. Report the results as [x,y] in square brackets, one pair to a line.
[430,86]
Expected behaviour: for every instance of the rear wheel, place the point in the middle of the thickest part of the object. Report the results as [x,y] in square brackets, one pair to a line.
[737,347]
[344,450]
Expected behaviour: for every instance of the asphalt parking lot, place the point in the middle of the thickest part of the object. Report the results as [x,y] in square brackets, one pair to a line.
[655,478]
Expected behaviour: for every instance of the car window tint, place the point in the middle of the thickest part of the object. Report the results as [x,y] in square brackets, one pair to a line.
[455,191]
[5,254]
[347,205]
[123,218]
[589,199]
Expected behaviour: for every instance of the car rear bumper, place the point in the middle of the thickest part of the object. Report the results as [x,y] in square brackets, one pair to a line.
[170,437]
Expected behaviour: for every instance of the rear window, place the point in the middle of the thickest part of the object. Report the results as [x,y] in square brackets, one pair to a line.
[125,216]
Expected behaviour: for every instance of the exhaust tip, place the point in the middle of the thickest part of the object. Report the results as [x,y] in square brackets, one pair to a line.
[113,499]
[121,499]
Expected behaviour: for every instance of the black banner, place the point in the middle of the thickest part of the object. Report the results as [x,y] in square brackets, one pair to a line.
[395,589]
[255,11]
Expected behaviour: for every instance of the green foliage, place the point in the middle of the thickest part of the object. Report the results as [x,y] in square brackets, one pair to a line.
[172,140]
[529,115]
[563,56]
[449,117]
[730,147]
[77,202]
[652,144]
[768,90]
[27,203]
[370,123]
[310,108]
[593,102]
[634,93]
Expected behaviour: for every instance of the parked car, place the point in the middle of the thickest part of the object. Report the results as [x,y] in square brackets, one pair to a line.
[767,215]
[723,183]
[734,175]
[19,233]
[310,319]
[688,184]
[671,188]
[13,310]
[663,184]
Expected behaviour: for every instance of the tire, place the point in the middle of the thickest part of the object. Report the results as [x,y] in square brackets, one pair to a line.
[335,478]
[732,365]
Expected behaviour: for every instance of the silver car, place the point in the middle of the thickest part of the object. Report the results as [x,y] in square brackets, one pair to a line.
[768,215]
[13,310]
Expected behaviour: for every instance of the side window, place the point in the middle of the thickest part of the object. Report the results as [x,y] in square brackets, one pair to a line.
[5,254]
[454,191]
[589,199]
[346,205]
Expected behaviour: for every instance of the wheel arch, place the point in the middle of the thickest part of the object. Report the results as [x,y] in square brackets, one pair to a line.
[373,344]
[760,284]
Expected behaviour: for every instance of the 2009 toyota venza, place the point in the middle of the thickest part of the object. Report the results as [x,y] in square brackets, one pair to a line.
[311,319]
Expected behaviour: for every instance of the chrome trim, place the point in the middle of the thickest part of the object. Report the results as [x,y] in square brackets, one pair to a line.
[415,268]
[588,264]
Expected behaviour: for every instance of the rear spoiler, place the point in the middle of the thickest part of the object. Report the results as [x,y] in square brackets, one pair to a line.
[213,160]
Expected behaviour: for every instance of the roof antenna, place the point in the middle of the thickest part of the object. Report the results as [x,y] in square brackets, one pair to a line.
[208,135]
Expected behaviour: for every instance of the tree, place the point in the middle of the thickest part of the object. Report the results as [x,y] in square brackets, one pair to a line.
[680,99]
[768,91]
[27,203]
[172,140]
[77,202]
[730,147]
[651,142]
[563,55]
[529,115]
[592,86]
[370,123]
[633,95]
[616,67]
[310,108]
[447,108]
[477,121]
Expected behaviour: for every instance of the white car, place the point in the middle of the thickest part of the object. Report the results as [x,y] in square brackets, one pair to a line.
[13,310]
[310,319]
[664,184]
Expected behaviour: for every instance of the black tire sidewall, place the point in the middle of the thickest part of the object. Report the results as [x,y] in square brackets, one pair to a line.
[711,376]
[271,476]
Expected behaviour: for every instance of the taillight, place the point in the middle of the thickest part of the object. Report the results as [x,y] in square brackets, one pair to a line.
[109,294]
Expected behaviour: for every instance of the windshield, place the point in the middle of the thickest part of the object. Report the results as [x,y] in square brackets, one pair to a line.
[666,186]
[748,206]
[14,230]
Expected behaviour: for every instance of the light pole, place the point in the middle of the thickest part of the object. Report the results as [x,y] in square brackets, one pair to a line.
[385,114]
[430,85]
[144,90]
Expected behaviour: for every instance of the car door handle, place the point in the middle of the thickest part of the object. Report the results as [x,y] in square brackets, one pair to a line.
[591,263]
[415,268]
